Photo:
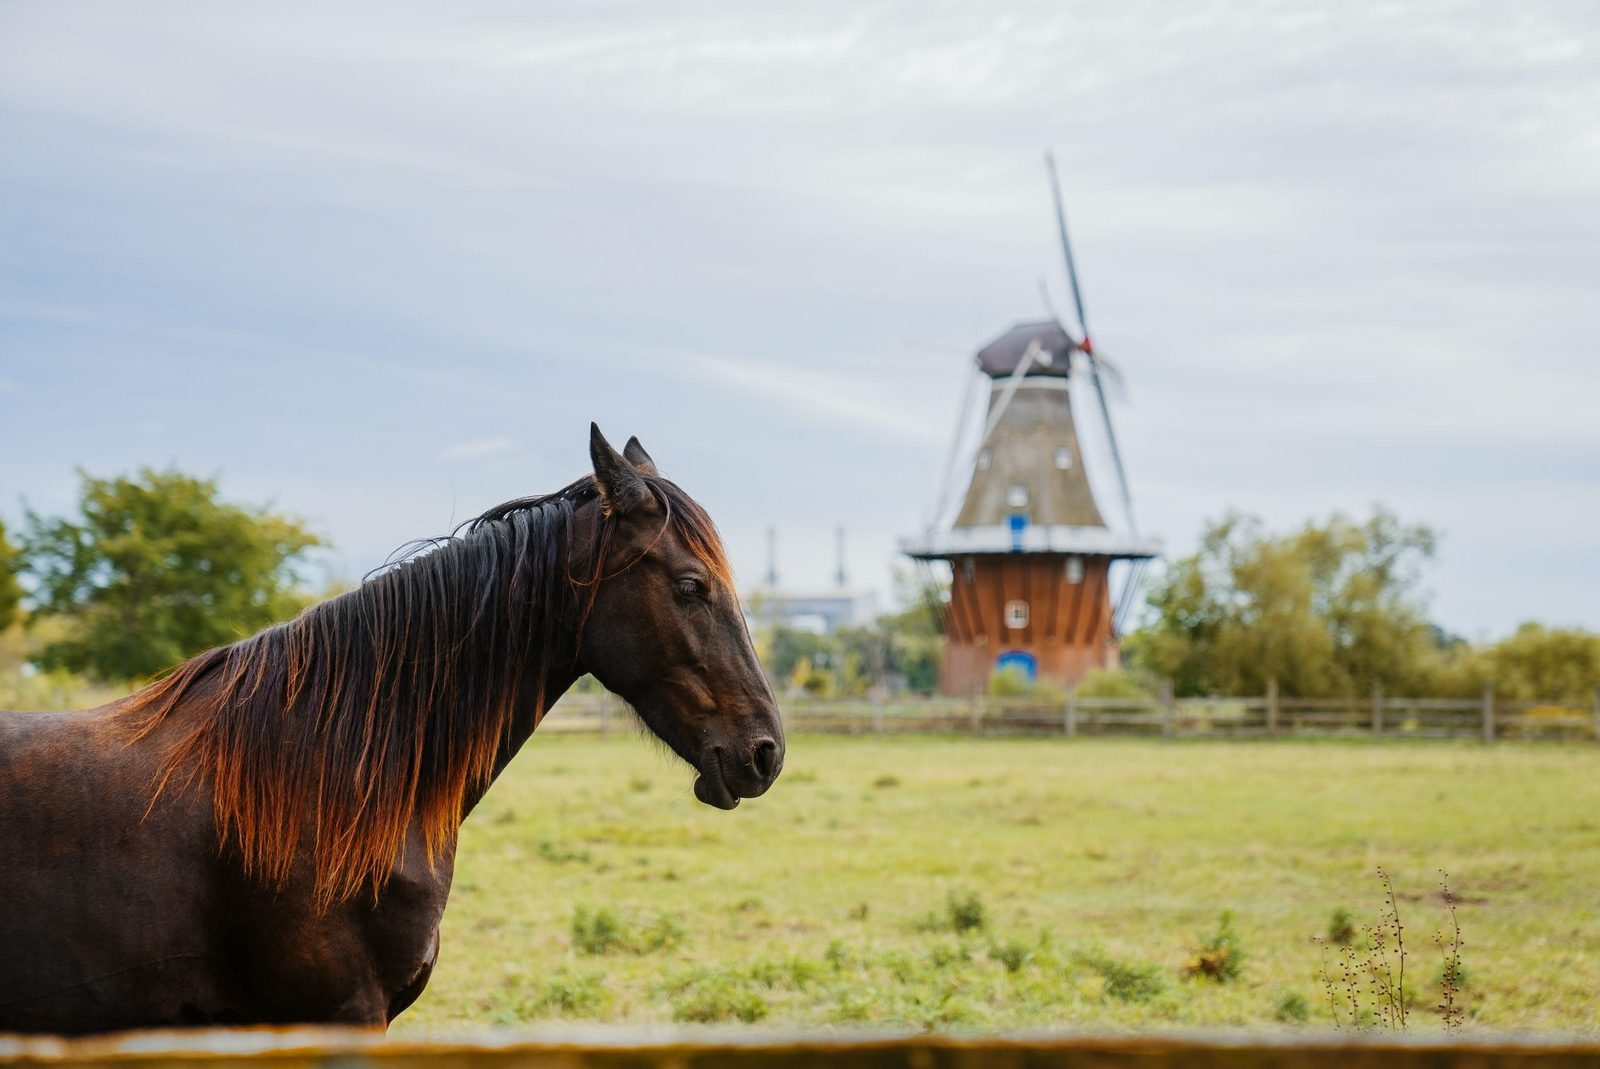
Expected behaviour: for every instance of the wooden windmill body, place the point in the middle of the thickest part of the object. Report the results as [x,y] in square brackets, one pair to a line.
[1030,552]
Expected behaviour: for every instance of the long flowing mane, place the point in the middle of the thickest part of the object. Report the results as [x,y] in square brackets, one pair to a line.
[331,733]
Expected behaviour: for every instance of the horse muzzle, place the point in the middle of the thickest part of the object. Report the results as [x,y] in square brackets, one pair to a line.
[725,778]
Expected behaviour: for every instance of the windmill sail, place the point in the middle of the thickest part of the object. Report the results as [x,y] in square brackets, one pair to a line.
[1088,344]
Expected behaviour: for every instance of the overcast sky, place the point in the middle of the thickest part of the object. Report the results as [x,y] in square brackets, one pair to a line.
[380,264]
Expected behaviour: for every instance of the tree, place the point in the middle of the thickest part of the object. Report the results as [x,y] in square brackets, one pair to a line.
[10,591]
[1546,663]
[156,568]
[1328,609]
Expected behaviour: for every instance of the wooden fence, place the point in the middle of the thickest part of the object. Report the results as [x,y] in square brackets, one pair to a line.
[1377,715]
[655,1048]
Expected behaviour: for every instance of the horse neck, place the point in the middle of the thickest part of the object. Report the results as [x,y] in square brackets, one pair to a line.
[559,677]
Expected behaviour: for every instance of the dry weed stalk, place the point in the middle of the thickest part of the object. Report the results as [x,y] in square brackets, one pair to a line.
[1450,976]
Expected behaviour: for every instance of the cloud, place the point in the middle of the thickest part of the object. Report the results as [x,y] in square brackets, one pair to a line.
[825,398]
[478,449]
[1343,253]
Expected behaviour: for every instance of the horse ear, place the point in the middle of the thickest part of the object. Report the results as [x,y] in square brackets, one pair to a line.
[621,489]
[639,458]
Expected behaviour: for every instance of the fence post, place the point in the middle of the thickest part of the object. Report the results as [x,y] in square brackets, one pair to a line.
[1377,708]
[1168,709]
[1597,714]
[877,716]
[1272,706]
[1069,719]
[1488,712]
[605,716]
[977,709]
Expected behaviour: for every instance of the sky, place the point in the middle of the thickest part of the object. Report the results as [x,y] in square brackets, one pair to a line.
[379,265]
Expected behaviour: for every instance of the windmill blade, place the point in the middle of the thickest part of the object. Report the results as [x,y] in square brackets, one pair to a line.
[1116,381]
[1066,250]
[1088,344]
[948,483]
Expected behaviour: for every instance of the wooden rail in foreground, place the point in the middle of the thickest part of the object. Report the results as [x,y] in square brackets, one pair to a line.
[1375,715]
[620,1048]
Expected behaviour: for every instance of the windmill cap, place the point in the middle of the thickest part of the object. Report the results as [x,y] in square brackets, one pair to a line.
[1002,356]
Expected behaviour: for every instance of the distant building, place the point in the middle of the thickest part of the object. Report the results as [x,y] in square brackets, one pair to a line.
[820,612]
[1030,553]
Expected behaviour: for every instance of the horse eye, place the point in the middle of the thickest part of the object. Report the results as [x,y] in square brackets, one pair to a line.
[691,588]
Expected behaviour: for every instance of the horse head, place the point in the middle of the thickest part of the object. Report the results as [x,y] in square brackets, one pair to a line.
[665,630]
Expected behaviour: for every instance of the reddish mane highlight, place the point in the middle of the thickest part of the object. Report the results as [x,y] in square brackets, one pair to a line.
[328,735]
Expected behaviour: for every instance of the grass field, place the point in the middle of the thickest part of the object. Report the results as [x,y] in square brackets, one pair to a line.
[1000,883]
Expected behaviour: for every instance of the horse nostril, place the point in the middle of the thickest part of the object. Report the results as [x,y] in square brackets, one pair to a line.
[765,758]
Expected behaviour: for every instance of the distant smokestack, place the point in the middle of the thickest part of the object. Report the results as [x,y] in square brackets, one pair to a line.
[772,557]
[840,576]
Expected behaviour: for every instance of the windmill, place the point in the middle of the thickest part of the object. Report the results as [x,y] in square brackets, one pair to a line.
[1029,549]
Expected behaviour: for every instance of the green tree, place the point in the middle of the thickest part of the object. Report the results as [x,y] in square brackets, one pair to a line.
[156,568]
[10,590]
[1327,609]
[1549,663]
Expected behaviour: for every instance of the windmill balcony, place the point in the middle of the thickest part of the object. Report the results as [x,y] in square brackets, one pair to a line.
[1034,538]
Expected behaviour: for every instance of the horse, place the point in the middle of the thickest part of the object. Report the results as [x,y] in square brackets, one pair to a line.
[266,835]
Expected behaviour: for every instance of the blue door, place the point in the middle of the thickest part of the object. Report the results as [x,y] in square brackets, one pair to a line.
[1022,661]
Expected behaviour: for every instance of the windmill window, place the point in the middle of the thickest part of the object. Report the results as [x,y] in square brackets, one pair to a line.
[1063,457]
[1016,614]
[1074,570]
[983,460]
[1017,496]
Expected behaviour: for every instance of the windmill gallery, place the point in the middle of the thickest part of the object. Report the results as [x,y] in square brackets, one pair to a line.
[1029,550]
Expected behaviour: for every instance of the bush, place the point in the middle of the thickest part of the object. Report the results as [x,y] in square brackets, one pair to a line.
[1219,956]
[966,911]
[1010,682]
[792,972]
[1012,954]
[575,994]
[1341,927]
[603,931]
[1113,683]
[1126,981]
[1292,1008]
[598,932]
[709,997]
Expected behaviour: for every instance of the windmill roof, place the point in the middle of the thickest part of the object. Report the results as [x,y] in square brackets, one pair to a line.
[1000,357]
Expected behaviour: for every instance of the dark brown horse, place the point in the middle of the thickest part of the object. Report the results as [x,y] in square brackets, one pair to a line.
[268,834]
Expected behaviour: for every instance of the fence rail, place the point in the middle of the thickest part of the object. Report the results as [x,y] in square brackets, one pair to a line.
[1377,715]
[649,1048]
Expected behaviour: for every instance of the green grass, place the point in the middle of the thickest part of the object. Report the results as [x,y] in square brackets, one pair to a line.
[1018,883]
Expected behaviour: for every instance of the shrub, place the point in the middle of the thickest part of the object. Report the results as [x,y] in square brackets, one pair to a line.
[707,998]
[575,994]
[1219,956]
[1292,1008]
[1113,683]
[602,931]
[966,911]
[792,972]
[1013,954]
[557,854]
[1341,927]
[1126,981]
[598,932]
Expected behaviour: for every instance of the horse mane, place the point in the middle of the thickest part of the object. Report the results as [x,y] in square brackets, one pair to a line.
[390,703]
